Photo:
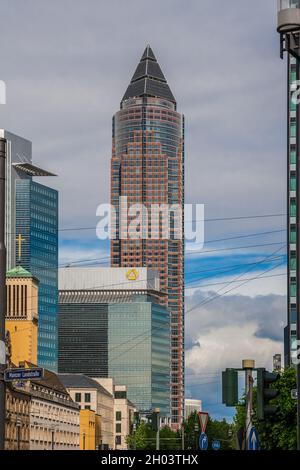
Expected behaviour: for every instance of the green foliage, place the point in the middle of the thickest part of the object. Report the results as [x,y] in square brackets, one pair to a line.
[145,438]
[216,430]
[280,431]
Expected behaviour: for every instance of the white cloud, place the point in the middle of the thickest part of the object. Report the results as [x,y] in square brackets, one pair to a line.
[226,346]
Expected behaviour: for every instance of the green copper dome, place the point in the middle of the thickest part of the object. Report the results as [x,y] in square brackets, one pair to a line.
[19,272]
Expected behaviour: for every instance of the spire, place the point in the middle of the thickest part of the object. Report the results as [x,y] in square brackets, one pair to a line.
[148,79]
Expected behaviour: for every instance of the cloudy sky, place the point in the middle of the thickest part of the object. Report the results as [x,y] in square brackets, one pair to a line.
[67,63]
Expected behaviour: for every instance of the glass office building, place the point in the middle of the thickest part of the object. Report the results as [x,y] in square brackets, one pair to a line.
[147,167]
[139,352]
[82,336]
[291,328]
[122,334]
[37,222]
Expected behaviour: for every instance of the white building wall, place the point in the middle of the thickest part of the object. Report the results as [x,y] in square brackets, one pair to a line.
[53,424]
[108,278]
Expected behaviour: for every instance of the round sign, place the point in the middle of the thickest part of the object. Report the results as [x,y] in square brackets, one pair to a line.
[216,445]
[203,441]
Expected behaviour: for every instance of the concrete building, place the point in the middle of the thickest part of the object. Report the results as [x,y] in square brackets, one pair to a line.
[90,395]
[90,430]
[113,324]
[17,426]
[190,406]
[123,412]
[54,416]
[147,167]
[32,213]
[21,320]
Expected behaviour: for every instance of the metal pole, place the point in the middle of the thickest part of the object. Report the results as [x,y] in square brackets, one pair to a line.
[248,366]
[2,291]
[157,434]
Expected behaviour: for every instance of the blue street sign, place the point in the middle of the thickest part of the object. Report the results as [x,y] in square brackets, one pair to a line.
[203,441]
[10,375]
[253,442]
[216,445]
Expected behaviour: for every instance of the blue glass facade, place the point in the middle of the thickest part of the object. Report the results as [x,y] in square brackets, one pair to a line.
[37,222]
[139,352]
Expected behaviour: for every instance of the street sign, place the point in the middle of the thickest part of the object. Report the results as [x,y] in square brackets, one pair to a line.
[216,445]
[294,394]
[10,375]
[203,441]
[203,419]
[253,443]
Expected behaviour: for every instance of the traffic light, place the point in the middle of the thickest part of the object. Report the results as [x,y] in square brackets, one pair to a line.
[230,395]
[136,420]
[154,421]
[265,393]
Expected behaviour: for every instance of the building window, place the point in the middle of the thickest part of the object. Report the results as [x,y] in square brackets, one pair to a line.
[78,397]
[118,427]
[120,394]
[293,183]
[87,397]
[118,440]
[118,416]
[293,289]
[293,157]
[293,129]
[87,407]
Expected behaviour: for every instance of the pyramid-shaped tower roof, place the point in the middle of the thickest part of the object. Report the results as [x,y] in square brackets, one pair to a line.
[148,79]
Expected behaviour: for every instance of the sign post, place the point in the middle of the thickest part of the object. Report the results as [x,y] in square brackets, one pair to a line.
[203,420]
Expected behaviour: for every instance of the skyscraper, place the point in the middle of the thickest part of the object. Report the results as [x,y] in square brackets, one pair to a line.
[114,325]
[37,223]
[147,167]
[291,329]
[32,213]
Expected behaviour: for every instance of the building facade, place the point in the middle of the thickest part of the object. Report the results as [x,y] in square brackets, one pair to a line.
[18,163]
[32,212]
[90,430]
[37,222]
[123,412]
[190,406]
[54,416]
[90,395]
[113,324]
[17,423]
[21,320]
[292,308]
[147,167]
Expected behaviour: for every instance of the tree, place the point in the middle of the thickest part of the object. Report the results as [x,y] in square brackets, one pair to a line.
[138,440]
[145,438]
[216,430]
[279,431]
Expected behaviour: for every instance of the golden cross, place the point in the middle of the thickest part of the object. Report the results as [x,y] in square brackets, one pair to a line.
[20,240]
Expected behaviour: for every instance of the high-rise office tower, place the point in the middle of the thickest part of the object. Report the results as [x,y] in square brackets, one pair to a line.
[37,223]
[113,324]
[147,167]
[291,329]
[32,213]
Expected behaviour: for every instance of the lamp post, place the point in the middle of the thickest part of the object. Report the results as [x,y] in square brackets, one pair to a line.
[288,27]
